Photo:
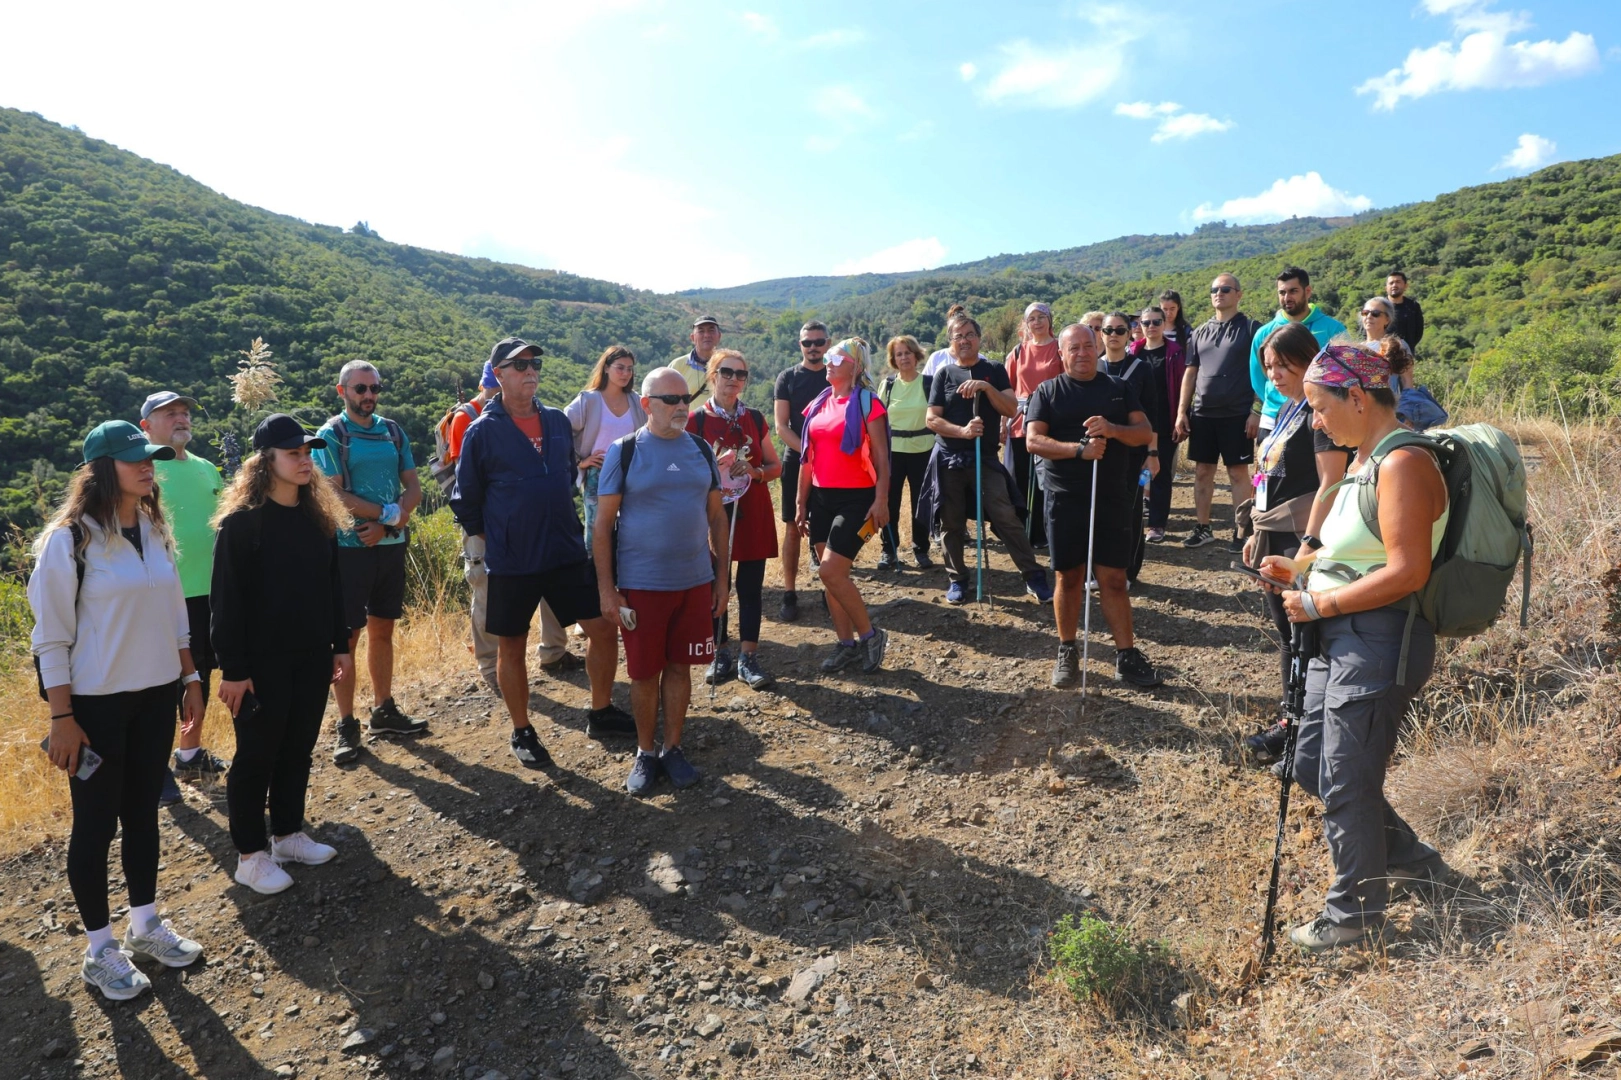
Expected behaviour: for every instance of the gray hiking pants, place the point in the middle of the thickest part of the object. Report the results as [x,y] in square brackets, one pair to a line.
[956,487]
[1354,711]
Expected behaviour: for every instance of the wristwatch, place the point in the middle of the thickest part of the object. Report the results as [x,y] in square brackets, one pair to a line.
[187,680]
[1310,543]
[1153,453]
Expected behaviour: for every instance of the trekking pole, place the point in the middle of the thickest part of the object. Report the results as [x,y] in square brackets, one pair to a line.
[1086,587]
[1302,645]
[979,517]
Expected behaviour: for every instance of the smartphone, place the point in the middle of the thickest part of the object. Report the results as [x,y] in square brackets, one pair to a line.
[89,760]
[868,529]
[248,707]
[1258,576]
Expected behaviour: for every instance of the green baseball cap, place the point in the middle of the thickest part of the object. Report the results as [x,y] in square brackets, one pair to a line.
[124,441]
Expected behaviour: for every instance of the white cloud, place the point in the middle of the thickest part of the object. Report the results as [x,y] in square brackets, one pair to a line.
[1057,76]
[968,69]
[1480,56]
[917,132]
[761,24]
[921,254]
[828,39]
[842,105]
[1142,110]
[1298,196]
[1532,152]
[1173,122]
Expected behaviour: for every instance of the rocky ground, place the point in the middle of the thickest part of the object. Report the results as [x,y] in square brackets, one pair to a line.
[861,886]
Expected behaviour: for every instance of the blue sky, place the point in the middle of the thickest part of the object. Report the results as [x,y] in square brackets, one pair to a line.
[669,145]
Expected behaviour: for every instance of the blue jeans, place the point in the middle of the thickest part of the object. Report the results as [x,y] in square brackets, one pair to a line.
[588,496]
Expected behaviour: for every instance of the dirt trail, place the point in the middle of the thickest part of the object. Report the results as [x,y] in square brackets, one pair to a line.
[860,886]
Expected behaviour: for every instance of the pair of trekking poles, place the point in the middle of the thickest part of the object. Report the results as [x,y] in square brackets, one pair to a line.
[1302,648]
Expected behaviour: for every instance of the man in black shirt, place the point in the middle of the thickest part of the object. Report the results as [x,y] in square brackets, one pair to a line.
[967,401]
[1409,316]
[1138,373]
[1080,417]
[796,388]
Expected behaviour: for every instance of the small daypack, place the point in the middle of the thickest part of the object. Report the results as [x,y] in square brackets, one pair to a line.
[77,536]
[442,466]
[342,435]
[627,454]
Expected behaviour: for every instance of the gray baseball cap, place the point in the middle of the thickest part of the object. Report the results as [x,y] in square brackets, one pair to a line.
[158,400]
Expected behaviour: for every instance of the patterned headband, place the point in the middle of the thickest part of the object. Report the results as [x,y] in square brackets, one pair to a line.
[1038,306]
[1347,365]
[854,348]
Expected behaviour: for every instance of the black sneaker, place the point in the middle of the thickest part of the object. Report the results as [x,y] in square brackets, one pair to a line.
[562,665]
[886,560]
[1199,537]
[609,722]
[1130,665]
[1067,668]
[720,670]
[203,764]
[789,612]
[1236,544]
[347,747]
[748,670]
[527,749]
[171,793]
[386,719]
[921,560]
[1265,747]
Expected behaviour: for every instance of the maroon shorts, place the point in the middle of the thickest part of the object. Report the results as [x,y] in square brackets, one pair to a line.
[671,628]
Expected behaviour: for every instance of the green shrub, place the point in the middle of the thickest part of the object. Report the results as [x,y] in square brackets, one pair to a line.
[1097,961]
[434,577]
[1551,359]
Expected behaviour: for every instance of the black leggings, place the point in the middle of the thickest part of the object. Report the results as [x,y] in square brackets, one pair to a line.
[748,579]
[1159,488]
[1023,467]
[273,746]
[906,469]
[133,732]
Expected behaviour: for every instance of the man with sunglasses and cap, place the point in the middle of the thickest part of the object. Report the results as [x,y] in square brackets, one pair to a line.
[694,366]
[191,489]
[370,458]
[515,491]
[795,389]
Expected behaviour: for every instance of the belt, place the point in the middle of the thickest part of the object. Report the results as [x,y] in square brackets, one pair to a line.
[910,433]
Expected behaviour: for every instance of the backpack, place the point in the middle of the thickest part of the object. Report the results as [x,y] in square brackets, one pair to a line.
[442,466]
[1486,534]
[627,453]
[342,436]
[78,568]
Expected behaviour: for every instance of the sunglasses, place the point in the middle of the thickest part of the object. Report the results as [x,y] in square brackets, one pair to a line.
[366,388]
[673,399]
[1369,313]
[1223,289]
[732,373]
[1152,322]
[1114,331]
[522,365]
[812,342]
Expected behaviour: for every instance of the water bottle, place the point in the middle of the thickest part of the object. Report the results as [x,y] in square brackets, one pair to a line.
[1143,478]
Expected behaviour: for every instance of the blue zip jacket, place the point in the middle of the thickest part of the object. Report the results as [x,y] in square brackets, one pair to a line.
[522,502]
[1323,328]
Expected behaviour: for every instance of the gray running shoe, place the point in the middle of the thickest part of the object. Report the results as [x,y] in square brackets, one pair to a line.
[843,656]
[162,944]
[874,648]
[112,973]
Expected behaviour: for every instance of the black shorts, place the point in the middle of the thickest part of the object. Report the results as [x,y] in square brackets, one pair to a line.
[1112,541]
[373,583]
[1223,436]
[570,590]
[790,487]
[836,517]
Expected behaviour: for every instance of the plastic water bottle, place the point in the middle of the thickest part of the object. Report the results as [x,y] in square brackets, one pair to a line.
[1143,478]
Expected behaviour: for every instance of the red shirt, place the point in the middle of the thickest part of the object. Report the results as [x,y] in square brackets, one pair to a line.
[530,426]
[1034,365]
[831,467]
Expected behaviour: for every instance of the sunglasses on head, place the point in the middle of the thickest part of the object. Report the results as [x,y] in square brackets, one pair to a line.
[1223,289]
[732,373]
[366,388]
[672,399]
[1113,331]
[523,365]
[812,342]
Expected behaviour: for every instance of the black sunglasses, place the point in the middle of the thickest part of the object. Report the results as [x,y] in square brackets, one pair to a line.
[813,342]
[522,365]
[366,388]
[1152,322]
[1223,289]
[732,373]
[1115,330]
[673,399]
[1368,312]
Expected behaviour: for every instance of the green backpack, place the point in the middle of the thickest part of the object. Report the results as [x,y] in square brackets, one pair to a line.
[1486,534]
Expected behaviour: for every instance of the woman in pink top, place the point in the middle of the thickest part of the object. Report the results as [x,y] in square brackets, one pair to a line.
[1032,362]
[844,496]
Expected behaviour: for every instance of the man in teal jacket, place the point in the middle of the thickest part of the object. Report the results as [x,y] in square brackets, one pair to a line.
[1294,305]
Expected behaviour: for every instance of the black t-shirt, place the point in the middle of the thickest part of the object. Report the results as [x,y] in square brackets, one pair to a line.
[1294,473]
[1145,383]
[798,386]
[956,409]
[1064,404]
[133,535]
[1159,409]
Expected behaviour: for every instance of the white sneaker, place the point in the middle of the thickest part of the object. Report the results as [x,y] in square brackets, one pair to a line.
[260,873]
[300,848]
[162,944]
[112,973]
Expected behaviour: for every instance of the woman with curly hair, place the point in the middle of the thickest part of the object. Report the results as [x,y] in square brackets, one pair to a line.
[281,639]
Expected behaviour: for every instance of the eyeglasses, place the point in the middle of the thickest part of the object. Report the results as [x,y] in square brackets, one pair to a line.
[366,388]
[1222,289]
[812,342]
[1114,331]
[732,373]
[964,337]
[672,399]
[1369,313]
[1152,322]
[623,369]
[522,365]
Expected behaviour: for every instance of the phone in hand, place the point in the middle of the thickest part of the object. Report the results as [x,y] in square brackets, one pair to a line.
[89,760]
[1276,583]
[249,706]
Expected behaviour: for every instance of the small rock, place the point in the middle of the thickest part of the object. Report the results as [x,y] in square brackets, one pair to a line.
[740,1048]
[486,981]
[444,1059]
[357,1038]
[1476,1048]
[922,981]
[311,941]
[436,1018]
[710,1027]
[287,1071]
[586,886]
[56,1048]
[804,984]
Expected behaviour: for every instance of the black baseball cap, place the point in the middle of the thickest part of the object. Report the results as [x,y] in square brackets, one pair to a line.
[507,348]
[282,432]
[706,320]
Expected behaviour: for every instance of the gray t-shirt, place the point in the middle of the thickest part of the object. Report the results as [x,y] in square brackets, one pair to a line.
[663,531]
[1221,353]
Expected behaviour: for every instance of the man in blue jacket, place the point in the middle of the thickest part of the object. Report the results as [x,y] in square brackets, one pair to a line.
[514,488]
[1294,305]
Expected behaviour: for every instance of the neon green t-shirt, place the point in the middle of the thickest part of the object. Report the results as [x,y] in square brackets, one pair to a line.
[191,491]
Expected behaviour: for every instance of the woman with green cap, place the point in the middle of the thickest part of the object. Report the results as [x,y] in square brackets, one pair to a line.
[111,638]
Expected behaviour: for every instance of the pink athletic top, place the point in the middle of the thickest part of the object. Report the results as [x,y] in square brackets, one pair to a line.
[830,466]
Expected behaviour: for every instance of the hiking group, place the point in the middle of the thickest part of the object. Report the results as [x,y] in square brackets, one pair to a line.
[276,575]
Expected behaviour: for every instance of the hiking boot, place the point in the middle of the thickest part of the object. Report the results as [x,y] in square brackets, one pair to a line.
[526,748]
[111,972]
[1131,666]
[644,773]
[170,793]
[562,665]
[789,612]
[886,560]
[956,594]
[1035,584]
[674,764]
[920,559]
[1267,746]
[1155,536]
[260,873]
[1067,668]
[720,670]
[1417,879]
[386,719]
[299,848]
[162,944]
[609,722]
[1323,933]
[1199,537]
[843,656]
[347,747]
[748,670]
[874,648]
[202,764]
